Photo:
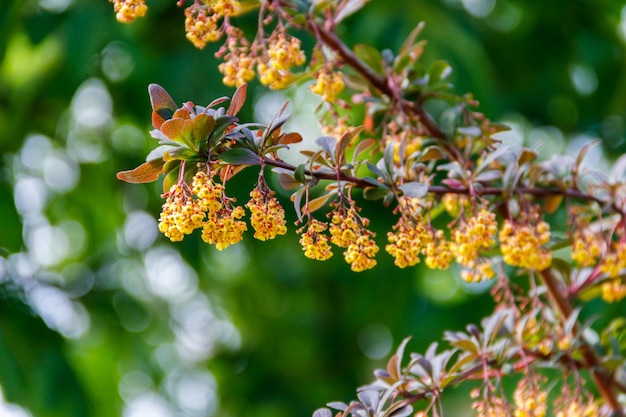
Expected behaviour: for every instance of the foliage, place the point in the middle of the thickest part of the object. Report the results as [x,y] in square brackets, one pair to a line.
[460,197]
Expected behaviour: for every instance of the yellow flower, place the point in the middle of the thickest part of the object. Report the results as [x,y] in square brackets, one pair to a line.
[201,26]
[407,240]
[267,215]
[314,242]
[522,245]
[586,248]
[285,54]
[128,10]
[438,252]
[223,229]
[613,290]
[328,84]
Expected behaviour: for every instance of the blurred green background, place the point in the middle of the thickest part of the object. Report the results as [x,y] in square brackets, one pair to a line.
[102,316]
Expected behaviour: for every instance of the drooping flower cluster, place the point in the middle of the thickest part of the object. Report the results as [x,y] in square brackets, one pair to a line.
[349,230]
[328,84]
[283,53]
[615,260]
[128,10]
[468,240]
[529,399]
[438,252]
[523,244]
[201,206]
[409,236]
[586,247]
[267,216]
[314,242]
[202,20]
[238,65]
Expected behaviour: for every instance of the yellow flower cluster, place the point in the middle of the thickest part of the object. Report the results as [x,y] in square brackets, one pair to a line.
[225,7]
[237,69]
[223,228]
[407,240]
[283,55]
[522,245]
[489,407]
[314,242]
[438,252]
[266,215]
[452,203]
[201,25]
[473,236]
[614,261]
[348,230]
[613,290]
[529,400]
[586,248]
[180,215]
[569,405]
[128,10]
[328,84]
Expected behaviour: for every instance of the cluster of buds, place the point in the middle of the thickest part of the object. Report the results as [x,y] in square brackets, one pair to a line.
[523,244]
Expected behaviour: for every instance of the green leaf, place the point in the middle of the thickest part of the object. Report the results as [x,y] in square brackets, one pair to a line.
[299,174]
[414,189]
[438,72]
[179,130]
[203,125]
[376,193]
[146,172]
[371,56]
[240,156]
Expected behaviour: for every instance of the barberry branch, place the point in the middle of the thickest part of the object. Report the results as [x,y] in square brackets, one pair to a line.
[603,381]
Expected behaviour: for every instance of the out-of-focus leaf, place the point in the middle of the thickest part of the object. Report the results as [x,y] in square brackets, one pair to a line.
[371,56]
[488,176]
[526,155]
[552,202]
[288,182]
[318,203]
[328,144]
[239,98]
[288,138]
[414,189]
[349,7]
[431,153]
[376,193]
[146,172]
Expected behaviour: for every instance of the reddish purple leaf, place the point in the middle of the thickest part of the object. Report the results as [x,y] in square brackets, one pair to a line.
[237,101]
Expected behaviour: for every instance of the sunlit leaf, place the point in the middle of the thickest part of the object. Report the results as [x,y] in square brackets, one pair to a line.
[162,104]
[146,172]
[203,125]
[179,130]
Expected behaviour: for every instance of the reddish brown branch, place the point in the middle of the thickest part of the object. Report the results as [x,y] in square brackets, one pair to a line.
[604,382]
